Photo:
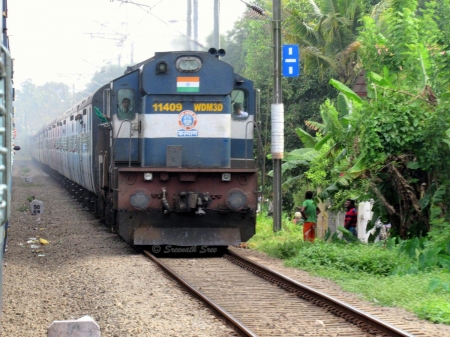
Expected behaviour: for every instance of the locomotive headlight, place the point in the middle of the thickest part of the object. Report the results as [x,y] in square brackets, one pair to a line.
[140,198]
[148,176]
[189,64]
[226,176]
[236,199]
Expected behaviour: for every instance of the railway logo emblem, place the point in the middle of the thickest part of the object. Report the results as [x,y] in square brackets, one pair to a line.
[187,120]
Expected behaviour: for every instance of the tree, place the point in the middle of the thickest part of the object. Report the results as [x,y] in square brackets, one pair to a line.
[301,96]
[326,31]
[36,106]
[105,75]
[394,145]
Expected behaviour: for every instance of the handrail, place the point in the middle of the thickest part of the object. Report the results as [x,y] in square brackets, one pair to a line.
[255,126]
[115,140]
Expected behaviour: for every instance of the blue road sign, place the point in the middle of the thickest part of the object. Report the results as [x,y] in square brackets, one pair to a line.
[291,60]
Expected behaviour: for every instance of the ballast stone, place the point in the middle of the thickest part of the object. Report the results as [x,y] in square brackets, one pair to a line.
[82,327]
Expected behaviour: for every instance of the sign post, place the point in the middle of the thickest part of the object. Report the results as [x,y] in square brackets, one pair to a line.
[291,58]
[277,117]
[36,207]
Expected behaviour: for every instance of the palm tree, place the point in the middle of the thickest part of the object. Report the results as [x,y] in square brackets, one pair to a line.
[326,31]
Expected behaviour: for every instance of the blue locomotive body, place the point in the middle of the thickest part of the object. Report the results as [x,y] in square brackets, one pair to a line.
[159,153]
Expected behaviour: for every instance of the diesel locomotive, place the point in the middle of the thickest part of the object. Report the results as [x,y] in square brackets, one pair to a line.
[160,154]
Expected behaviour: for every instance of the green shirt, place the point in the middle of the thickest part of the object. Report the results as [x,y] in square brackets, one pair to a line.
[310,210]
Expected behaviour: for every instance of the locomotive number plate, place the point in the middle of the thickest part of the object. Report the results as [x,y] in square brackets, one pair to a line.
[207,107]
[167,107]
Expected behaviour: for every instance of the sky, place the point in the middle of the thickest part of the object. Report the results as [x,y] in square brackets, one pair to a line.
[69,40]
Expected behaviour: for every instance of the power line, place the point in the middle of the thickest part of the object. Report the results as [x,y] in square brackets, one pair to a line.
[163,21]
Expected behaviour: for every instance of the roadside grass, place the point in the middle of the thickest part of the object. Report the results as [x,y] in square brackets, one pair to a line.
[29,185]
[370,270]
[22,209]
[264,231]
[25,170]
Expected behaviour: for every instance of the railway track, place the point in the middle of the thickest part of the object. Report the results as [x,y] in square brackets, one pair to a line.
[243,292]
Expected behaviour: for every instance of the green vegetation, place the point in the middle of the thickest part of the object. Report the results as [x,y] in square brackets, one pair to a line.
[23,209]
[391,146]
[25,170]
[388,273]
[29,185]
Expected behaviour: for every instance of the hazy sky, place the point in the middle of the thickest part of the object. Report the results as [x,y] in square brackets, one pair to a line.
[69,40]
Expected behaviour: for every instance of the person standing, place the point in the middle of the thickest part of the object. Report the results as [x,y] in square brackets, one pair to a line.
[309,213]
[351,217]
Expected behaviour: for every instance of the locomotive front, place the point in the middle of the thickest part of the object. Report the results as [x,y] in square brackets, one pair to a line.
[182,169]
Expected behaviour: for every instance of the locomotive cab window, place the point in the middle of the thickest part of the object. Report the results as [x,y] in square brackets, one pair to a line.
[126,104]
[239,105]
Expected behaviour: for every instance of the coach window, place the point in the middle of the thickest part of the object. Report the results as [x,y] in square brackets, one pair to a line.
[126,104]
[239,105]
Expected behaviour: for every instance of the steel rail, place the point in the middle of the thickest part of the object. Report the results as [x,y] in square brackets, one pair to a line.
[353,315]
[235,323]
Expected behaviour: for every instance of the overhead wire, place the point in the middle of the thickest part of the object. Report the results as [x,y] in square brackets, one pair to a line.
[161,20]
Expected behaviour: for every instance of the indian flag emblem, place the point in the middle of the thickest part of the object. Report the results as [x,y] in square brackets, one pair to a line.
[188,84]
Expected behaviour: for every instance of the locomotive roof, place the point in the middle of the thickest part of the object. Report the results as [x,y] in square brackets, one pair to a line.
[160,54]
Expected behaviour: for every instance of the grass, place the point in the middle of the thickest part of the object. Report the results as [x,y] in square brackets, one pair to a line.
[366,269]
[25,170]
[29,185]
[22,209]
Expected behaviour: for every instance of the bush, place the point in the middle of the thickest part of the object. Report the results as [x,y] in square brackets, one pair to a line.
[436,310]
[348,258]
[283,250]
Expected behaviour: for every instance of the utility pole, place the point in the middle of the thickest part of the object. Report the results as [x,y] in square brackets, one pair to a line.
[277,117]
[195,23]
[188,21]
[216,39]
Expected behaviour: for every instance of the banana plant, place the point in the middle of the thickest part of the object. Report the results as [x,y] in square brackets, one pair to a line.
[333,130]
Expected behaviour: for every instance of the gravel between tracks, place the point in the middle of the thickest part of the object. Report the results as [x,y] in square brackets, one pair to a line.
[86,270]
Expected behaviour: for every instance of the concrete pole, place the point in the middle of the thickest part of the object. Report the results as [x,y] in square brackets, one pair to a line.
[277,117]
[188,21]
[195,24]
[216,39]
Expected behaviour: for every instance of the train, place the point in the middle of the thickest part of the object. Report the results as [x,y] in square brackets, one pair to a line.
[6,136]
[162,153]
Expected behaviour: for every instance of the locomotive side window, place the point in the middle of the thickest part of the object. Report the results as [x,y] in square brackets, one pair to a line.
[126,104]
[239,104]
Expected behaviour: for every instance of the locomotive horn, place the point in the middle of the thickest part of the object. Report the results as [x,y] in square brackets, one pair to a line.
[216,53]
